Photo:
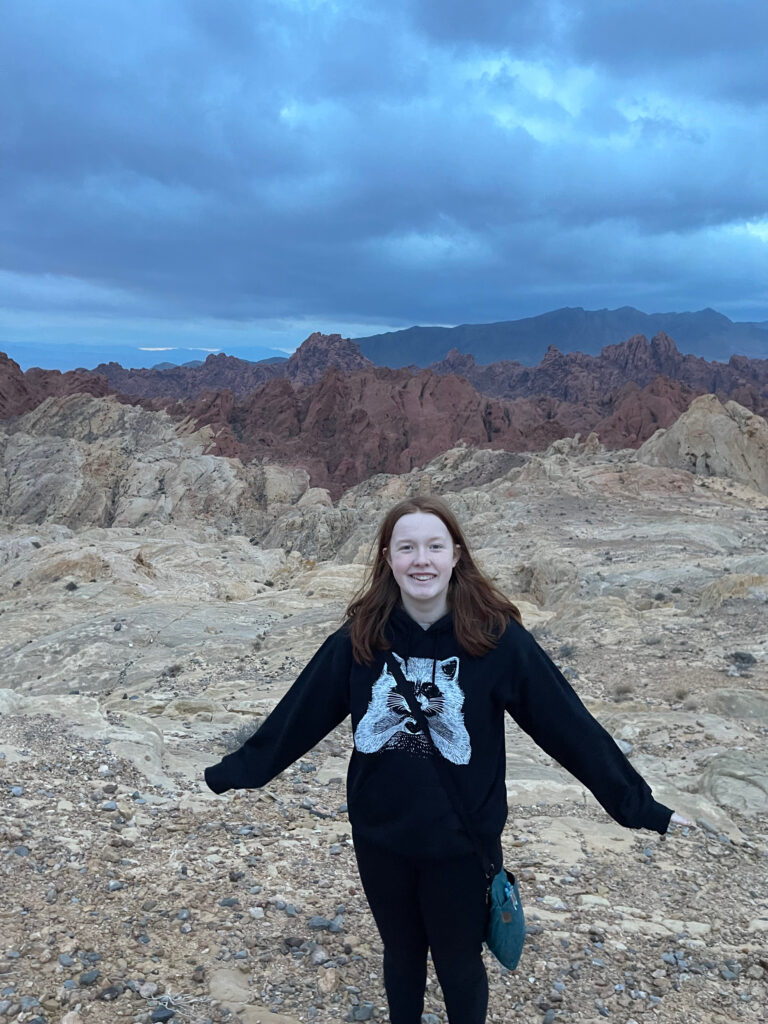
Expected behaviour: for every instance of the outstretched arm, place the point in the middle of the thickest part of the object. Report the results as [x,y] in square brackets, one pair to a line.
[316,703]
[545,705]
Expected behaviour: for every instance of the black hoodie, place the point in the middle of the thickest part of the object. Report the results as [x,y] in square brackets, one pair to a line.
[394,792]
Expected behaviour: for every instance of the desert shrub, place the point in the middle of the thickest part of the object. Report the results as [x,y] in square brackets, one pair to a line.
[234,739]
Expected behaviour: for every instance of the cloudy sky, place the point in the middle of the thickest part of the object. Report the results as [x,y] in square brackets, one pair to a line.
[216,173]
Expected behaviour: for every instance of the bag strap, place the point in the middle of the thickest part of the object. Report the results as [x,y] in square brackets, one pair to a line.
[405,689]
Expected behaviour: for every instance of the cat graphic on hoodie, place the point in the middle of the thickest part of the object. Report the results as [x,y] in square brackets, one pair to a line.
[389,725]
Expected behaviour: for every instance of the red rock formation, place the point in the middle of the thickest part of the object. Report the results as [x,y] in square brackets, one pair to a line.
[351,426]
[20,392]
[14,393]
[576,377]
[352,420]
[321,351]
[640,412]
[219,372]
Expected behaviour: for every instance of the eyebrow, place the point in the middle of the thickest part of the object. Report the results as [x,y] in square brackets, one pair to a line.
[409,540]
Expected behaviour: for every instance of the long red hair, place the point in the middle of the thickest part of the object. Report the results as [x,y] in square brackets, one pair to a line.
[480,610]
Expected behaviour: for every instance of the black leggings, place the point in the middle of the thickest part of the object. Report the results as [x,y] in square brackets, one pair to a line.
[435,904]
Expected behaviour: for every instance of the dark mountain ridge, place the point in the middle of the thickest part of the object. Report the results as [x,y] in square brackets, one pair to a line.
[705,333]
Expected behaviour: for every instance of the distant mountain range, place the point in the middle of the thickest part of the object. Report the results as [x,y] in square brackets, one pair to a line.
[705,333]
[71,356]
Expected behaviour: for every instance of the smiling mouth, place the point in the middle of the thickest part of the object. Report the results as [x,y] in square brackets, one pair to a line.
[422,577]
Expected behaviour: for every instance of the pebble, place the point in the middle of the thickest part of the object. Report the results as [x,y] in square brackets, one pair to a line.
[549,1017]
[89,977]
[114,885]
[17,791]
[21,851]
[66,960]
[108,995]
[161,1013]
[230,901]
[743,657]
[327,981]
[317,923]
[109,805]
[183,915]
[362,1012]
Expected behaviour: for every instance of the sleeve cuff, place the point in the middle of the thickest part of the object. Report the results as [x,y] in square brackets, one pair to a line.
[660,816]
[215,780]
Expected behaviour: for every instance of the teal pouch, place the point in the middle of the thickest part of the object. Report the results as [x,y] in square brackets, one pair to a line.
[506,922]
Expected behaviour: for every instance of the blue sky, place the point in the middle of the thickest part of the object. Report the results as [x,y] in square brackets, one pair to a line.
[214,175]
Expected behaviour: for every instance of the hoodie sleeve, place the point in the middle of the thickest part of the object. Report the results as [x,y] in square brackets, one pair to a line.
[545,705]
[316,703]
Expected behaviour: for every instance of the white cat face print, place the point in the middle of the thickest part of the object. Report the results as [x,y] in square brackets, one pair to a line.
[389,725]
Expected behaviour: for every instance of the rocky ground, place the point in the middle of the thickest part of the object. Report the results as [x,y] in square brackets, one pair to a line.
[132,656]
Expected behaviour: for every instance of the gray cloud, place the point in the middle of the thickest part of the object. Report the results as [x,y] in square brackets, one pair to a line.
[422,161]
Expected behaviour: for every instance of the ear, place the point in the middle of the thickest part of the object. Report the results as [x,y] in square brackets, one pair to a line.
[449,667]
[456,553]
[387,559]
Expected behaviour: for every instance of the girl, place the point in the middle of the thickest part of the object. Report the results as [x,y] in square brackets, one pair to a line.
[460,644]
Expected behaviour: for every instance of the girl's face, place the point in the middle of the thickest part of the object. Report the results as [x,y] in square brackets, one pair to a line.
[422,555]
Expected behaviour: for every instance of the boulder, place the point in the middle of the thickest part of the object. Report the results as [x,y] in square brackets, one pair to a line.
[712,439]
